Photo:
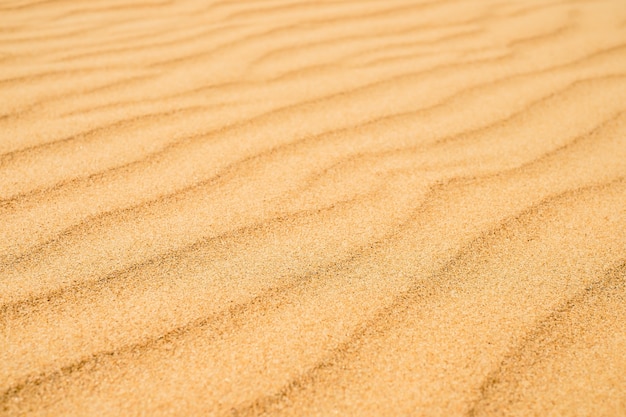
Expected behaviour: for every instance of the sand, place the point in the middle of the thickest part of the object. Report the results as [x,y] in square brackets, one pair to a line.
[280,207]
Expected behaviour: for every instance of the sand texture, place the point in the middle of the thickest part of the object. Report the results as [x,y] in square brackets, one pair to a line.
[292,208]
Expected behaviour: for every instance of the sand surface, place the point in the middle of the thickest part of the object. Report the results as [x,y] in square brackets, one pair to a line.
[338,207]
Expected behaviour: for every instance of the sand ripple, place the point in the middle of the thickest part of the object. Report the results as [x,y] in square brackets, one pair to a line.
[281,207]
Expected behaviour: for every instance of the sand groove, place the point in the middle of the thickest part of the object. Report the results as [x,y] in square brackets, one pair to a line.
[281,207]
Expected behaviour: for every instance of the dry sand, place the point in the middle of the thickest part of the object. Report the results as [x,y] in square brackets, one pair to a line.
[280,207]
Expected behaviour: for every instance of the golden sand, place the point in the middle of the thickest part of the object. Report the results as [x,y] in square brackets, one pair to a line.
[280,207]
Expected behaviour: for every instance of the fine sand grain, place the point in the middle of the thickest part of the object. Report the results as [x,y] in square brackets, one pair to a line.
[337,207]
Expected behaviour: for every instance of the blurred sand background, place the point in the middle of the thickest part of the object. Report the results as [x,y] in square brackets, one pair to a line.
[281,207]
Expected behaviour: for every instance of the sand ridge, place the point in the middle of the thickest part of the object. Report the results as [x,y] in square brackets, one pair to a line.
[281,207]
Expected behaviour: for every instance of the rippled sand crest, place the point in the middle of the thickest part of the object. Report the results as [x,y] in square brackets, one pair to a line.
[280,207]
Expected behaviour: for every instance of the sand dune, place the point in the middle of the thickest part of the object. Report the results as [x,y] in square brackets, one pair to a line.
[280,207]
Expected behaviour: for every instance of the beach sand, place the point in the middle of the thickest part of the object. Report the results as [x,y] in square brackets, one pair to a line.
[280,207]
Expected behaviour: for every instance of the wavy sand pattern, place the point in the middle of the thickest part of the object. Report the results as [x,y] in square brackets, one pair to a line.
[280,207]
